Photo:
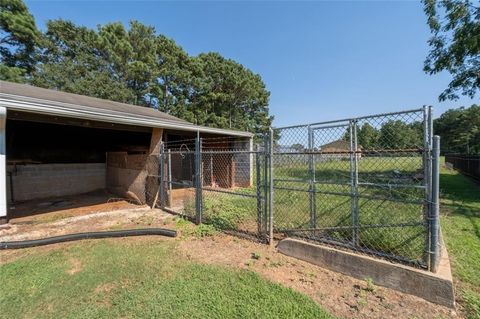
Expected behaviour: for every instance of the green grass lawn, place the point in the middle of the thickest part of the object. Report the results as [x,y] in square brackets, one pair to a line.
[460,206]
[139,279]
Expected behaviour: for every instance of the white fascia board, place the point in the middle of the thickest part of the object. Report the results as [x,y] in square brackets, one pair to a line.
[3,167]
[94,114]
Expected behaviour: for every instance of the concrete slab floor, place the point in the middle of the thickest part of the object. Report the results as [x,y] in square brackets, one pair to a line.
[52,208]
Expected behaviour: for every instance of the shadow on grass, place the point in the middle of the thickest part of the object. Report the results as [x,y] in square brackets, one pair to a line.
[461,197]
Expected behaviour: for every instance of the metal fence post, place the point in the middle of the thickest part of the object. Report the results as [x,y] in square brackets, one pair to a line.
[435,205]
[312,186]
[198,179]
[265,183]
[162,176]
[169,177]
[427,165]
[354,181]
[270,206]
[258,186]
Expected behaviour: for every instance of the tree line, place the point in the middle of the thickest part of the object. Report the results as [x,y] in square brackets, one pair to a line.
[134,65]
[459,130]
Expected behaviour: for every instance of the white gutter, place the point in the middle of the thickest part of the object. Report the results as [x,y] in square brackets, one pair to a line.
[27,104]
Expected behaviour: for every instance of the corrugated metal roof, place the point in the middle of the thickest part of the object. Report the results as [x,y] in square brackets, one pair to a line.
[38,100]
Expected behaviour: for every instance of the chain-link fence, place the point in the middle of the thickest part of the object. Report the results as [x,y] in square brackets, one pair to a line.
[217,181]
[468,164]
[368,184]
[362,183]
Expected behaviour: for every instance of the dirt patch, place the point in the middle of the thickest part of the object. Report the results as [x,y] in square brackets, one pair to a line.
[75,266]
[341,295]
[100,221]
[55,208]
[105,288]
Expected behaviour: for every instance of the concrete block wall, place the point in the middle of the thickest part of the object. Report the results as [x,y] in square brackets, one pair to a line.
[35,181]
[127,173]
[243,164]
[123,180]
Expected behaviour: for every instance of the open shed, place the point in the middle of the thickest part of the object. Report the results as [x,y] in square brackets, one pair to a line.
[55,144]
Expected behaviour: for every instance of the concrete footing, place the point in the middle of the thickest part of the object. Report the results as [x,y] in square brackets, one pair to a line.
[434,287]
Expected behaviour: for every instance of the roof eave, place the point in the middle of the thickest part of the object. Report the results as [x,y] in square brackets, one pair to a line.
[89,113]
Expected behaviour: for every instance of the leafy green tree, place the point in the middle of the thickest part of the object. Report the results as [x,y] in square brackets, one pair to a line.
[73,61]
[18,39]
[131,55]
[230,95]
[176,76]
[455,44]
[367,136]
[396,134]
[459,130]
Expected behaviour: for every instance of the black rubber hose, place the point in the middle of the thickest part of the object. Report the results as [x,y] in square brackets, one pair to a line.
[89,235]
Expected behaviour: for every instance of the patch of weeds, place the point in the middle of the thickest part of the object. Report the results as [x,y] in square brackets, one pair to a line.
[185,227]
[143,220]
[275,264]
[227,212]
[205,230]
[362,300]
[370,285]
[312,275]
[52,218]
[256,255]
[168,220]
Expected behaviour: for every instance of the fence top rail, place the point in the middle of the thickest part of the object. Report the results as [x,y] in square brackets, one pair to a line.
[346,120]
[227,151]
[364,152]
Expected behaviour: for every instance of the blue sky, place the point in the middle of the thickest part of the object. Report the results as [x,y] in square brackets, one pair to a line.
[319,60]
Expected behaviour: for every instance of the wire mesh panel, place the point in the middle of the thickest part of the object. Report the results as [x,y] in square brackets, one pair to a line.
[217,181]
[359,183]
[233,186]
[178,177]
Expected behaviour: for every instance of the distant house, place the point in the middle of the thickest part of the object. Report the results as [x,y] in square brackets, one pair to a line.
[339,149]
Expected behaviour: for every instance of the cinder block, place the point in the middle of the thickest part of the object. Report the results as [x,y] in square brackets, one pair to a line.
[45,180]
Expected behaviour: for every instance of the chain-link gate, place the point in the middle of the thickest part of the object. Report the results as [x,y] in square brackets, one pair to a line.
[217,181]
[363,183]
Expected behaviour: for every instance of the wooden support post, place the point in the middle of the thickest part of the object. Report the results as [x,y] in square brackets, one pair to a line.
[152,184]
